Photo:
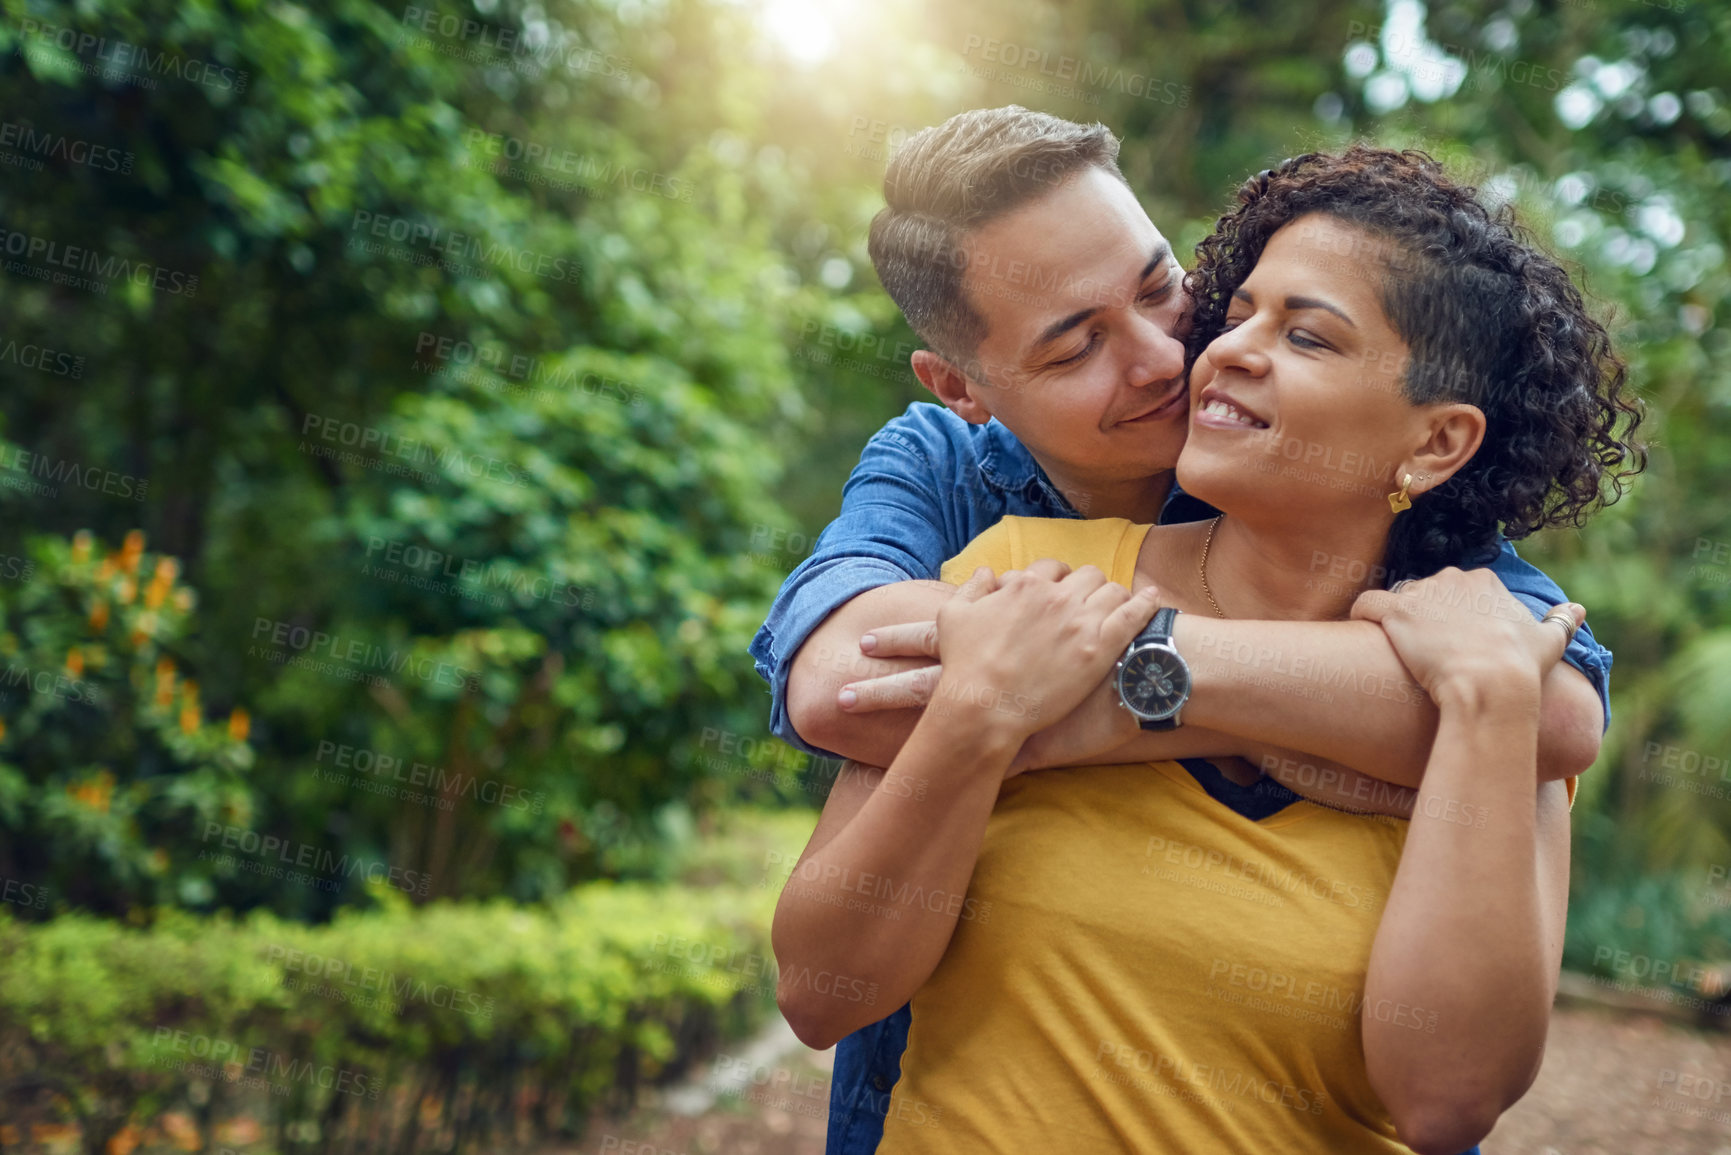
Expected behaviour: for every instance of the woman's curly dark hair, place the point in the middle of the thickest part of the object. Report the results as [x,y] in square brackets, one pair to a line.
[1489,320]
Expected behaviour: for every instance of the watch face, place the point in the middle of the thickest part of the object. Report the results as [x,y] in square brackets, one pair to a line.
[1154,682]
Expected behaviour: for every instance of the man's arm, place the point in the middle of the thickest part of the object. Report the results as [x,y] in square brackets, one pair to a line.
[1335,690]
[893,526]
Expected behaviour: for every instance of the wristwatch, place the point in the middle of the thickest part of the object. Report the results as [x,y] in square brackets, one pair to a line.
[1152,677]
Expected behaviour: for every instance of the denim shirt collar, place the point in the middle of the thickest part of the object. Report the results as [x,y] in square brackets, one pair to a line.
[1007,466]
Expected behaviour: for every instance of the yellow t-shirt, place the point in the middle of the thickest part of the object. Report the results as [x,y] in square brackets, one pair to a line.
[1147,970]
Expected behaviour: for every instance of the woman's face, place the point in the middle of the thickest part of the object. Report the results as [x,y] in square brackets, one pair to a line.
[1296,408]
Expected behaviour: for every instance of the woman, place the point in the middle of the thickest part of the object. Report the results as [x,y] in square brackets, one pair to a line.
[1178,960]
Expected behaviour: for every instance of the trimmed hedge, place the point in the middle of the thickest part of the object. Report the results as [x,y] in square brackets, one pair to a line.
[402,1029]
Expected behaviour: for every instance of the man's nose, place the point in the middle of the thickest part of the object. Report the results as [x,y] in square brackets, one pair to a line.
[1159,356]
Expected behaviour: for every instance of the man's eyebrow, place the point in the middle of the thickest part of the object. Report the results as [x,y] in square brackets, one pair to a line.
[1162,253]
[1296,303]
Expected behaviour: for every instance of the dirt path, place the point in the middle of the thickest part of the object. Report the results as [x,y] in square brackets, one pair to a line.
[1613,1083]
[1621,1084]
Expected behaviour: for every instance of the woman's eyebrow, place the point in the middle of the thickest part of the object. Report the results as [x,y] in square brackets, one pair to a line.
[1293,304]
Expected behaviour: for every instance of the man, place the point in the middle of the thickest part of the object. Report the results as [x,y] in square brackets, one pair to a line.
[1053,312]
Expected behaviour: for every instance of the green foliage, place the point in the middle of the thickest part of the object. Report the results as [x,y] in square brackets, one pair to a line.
[1666,935]
[385,335]
[109,768]
[495,1014]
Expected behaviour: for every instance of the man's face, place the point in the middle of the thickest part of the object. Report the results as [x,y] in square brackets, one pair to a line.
[1084,307]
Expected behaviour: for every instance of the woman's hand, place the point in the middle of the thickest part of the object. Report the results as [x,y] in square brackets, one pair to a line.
[1462,632]
[1025,649]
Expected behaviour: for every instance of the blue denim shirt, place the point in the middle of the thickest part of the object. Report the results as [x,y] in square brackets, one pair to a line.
[927,484]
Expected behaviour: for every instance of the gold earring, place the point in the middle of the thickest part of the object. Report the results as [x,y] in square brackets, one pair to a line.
[1400,501]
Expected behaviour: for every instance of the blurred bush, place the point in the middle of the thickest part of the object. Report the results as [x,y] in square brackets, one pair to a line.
[110,768]
[448,1025]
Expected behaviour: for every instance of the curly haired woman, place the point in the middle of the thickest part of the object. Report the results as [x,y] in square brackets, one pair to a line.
[1191,958]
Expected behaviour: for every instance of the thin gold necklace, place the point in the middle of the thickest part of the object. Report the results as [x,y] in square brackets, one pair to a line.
[1202,566]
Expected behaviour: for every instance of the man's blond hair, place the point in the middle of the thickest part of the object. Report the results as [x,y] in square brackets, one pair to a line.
[950,180]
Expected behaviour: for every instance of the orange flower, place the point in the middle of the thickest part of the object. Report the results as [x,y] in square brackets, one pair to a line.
[74,662]
[96,793]
[131,550]
[189,718]
[128,591]
[99,617]
[124,1141]
[239,724]
[2,728]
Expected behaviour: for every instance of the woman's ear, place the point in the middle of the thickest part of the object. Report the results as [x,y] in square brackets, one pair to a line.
[1456,432]
[950,386]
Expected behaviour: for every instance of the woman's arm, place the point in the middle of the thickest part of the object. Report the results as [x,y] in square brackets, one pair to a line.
[877,894]
[1464,967]
[846,911]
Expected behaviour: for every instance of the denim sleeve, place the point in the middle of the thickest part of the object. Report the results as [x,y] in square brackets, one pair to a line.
[892,527]
[1539,593]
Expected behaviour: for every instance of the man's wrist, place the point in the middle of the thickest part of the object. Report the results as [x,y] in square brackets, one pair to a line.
[963,708]
[1495,691]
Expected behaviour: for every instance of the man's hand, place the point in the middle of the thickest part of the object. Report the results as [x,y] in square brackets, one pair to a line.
[1085,735]
[1032,644]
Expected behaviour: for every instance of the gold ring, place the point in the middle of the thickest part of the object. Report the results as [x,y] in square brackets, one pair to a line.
[1566,620]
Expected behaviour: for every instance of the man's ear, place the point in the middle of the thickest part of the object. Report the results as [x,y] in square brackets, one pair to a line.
[950,386]
[1456,432]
